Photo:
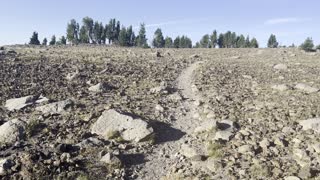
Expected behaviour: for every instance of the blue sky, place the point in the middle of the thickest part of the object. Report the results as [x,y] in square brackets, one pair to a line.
[290,20]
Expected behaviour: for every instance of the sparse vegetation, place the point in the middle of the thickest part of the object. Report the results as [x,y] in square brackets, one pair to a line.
[308,45]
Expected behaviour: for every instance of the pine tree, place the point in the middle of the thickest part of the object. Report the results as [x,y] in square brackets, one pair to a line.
[241,42]
[307,45]
[131,38]
[44,42]
[34,39]
[248,43]
[214,39]
[83,36]
[72,32]
[97,32]
[63,40]
[123,37]
[254,43]
[205,41]
[88,25]
[53,40]
[158,39]
[233,40]
[176,42]
[168,42]
[272,42]
[141,40]
[220,41]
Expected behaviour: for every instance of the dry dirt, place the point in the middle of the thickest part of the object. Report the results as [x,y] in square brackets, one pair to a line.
[215,113]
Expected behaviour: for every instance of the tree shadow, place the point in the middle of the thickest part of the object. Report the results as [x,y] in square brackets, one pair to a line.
[165,133]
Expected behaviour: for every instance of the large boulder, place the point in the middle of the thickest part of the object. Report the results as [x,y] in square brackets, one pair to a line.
[20,103]
[313,124]
[56,108]
[112,123]
[12,131]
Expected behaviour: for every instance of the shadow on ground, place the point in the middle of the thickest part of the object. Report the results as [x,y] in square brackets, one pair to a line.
[165,133]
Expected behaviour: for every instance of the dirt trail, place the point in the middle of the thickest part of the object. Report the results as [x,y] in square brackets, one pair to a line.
[164,155]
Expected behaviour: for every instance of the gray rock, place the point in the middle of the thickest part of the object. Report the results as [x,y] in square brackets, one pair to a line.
[162,88]
[313,124]
[5,164]
[128,128]
[291,178]
[19,103]
[90,142]
[188,151]
[213,165]
[56,108]
[112,160]
[244,149]
[100,87]
[12,131]
[280,87]
[226,130]
[301,157]
[207,125]
[280,67]
[316,147]
[73,75]
[306,88]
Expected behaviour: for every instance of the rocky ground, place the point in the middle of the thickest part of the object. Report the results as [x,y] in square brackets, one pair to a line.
[91,112]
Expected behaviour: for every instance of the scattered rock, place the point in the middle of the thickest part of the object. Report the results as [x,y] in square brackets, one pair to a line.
[12,131]
[73,75]
[306,88]
[90,142]
[313,124]
[20,103]
[280,87]
[301,157]
[162,88]
[226,130]
[112,123]
[280,67]
[207,125]
[5,164]
[100,87]
[244,149]
[291,178]
[112,160]
[56,108]
[188,151]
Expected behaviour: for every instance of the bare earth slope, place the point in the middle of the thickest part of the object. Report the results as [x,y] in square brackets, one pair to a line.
[160,113]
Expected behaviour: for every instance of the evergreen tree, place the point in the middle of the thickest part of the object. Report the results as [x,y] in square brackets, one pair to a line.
[272,42]
[168,42]
[197,45]
[220,41]
[123,37]
[83,36]
[97,32]
[34,39]
[88,25]
[205,41]
[248,43]
[63,40]
[214,39]
[307,45]
[45,42]
[233,40]
[158,40]
[241,42]
[141,40]
[72,32]
[53,40]
[176,42]
[227,39]
[131,37]
[254,43]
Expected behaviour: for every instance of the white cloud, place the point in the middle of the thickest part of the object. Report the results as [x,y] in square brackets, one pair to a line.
[286,20]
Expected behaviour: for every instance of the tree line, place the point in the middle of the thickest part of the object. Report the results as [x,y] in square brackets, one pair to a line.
[113,33]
